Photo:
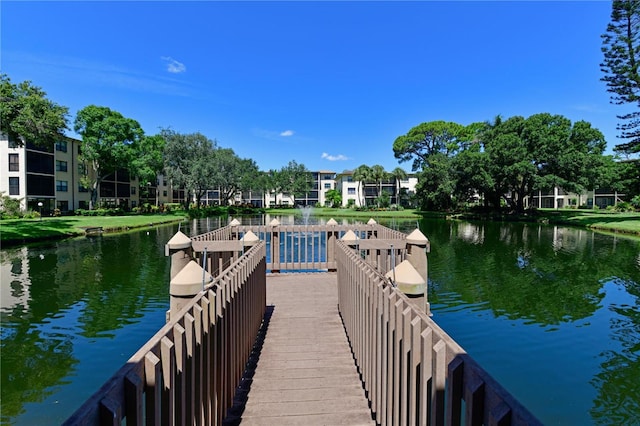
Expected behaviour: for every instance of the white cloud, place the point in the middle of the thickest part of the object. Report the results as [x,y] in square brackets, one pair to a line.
[330,157]
[287,133]
[174,66]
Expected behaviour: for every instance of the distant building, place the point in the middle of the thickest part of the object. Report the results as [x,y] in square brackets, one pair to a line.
[558,198]
[365,193]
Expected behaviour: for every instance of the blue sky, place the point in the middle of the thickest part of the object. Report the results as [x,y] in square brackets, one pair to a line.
[328,84]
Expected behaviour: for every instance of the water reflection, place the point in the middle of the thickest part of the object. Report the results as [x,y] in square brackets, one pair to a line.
[71,313]
[552,312]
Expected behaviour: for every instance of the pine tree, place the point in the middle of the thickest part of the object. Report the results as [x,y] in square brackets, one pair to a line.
[621,49]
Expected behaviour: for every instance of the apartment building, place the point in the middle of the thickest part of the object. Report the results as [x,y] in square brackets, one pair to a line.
[365,193]
[558,198]
[49,178]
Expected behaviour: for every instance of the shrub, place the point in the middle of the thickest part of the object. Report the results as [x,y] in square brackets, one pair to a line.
[9,207]
[31,214]
[623,206]
[635,202]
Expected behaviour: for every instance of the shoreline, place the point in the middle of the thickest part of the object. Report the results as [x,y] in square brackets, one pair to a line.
[622,224]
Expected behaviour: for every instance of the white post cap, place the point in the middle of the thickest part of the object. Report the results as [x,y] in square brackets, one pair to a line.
[188,282]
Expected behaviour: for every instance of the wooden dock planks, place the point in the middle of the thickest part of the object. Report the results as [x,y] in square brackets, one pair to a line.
[306,373]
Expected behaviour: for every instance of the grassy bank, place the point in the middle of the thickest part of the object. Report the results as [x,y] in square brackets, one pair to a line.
[628,223]
[366,215]
[13,232]
[20,231]
[612,222]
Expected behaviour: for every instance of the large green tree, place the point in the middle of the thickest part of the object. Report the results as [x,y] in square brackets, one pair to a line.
[188,162]
[539,153]
[107,139]
[621,49]
[232,174]
[27,115]
[432,147]
[295,179]
[148,160]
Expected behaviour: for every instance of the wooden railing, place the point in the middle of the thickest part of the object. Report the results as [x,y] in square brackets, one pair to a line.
[312,247]
[412,371]
[188,372]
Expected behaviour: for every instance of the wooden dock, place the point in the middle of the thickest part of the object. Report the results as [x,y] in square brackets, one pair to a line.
[305,373]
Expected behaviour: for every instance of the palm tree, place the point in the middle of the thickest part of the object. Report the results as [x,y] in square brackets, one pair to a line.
[398,174]
[362,174]
[378,174]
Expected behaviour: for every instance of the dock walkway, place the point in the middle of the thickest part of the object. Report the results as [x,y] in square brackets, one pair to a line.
[305,373]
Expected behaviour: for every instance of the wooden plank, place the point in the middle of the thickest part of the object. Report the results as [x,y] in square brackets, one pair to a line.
[153,379]
[216,246]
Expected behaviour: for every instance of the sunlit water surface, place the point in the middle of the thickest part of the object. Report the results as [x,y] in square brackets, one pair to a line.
[552,313]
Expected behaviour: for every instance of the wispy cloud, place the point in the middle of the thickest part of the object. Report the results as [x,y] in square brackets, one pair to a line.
[287,133]
[100,74]
[330,157]
[173,66]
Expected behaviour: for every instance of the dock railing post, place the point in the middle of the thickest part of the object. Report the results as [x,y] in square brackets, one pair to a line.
[332,236]
[180,249]
[417,248]
[275,245]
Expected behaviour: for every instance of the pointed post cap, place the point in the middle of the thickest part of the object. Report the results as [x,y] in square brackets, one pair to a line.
[371,222]
[188,282]
[249,238]
[178,242]
[274,222]
[406,274]
[332,222]
[349,237]
[417,238]
[234,222]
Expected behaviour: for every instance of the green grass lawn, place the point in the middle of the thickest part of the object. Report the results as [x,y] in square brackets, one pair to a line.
[329,212]
[607,221]
[24,230]
[66,226]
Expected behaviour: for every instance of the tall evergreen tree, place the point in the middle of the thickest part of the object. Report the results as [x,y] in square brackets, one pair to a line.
[621,49]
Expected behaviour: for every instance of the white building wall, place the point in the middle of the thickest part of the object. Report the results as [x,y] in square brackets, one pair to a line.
[5,174]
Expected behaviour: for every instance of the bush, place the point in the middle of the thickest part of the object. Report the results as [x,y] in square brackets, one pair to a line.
[623,206]
[31,214]
[10,207]
[635,202]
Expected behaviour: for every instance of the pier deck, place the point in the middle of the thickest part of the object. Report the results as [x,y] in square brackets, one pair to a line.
[306,372]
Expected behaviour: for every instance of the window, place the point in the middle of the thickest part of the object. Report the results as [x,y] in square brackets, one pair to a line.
[164,182]
[61,146]
[14,186]
[164,193]
[63,206]
[83,205]
[62,185]
[327,185]
[133,190]
[81,188]
[61,166]
[14,165]
[351,191]
[82,169]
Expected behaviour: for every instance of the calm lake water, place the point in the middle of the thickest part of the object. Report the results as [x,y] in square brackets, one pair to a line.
[553,313]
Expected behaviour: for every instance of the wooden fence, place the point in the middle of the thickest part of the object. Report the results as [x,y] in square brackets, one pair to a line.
[188,372]
[412,371]
[310,247]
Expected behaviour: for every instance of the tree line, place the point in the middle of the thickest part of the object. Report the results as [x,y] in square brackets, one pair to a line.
[504,161]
